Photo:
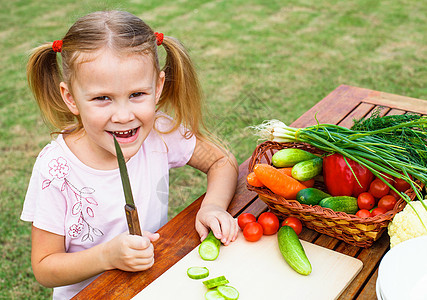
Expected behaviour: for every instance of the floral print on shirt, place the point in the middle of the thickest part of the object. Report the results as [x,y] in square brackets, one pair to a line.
[83,201]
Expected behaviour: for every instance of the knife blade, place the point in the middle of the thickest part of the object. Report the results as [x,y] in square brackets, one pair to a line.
[130,208]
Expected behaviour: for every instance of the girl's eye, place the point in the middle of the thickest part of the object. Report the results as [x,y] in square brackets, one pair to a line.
[101,98]
[137,94]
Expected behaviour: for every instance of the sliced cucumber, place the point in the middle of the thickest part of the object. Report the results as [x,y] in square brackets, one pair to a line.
[197,272]
[209,248]
[228,292]
[214,282]
[213,294]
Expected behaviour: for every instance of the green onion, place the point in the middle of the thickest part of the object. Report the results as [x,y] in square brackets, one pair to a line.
[370,148]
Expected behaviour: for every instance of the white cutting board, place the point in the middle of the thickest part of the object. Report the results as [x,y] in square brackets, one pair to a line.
[258,271]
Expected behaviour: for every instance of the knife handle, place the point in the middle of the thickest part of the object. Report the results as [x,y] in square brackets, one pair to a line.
[133,221]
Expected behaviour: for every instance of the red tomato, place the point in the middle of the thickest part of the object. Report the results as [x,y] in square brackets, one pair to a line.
[387,177]
[394,194]
[378,188]
[244,219]
[387,202]
[252,231]
[294,223]
[365,201]
[378,211]
[269,222]
[401,185]
[363,213]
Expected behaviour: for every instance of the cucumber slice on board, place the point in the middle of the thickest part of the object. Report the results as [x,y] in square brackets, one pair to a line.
[214,282]
[213,295]
[228,292]
[209,248]
[197,272]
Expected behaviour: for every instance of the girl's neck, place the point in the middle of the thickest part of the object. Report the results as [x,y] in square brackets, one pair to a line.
[79,146]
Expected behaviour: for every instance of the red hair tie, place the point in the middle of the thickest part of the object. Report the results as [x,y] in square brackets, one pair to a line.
[57,46]
[159,38]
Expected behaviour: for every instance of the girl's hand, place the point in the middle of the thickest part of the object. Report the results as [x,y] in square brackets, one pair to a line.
[130,252]
[223,225]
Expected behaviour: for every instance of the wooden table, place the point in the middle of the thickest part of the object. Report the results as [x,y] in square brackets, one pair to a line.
[179,237]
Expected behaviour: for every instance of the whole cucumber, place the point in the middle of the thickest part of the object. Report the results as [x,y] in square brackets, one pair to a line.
[307,169]
[311,196]
[345,204]
[289,157]
[292,250]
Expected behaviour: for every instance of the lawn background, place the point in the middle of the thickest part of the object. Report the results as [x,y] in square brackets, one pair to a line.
[256,59]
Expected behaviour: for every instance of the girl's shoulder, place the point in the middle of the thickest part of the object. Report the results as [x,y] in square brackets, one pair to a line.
[166,125]
[178,143]
[163,122]
[54,151]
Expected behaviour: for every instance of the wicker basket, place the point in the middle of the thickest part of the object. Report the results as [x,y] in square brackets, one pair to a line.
[361,232]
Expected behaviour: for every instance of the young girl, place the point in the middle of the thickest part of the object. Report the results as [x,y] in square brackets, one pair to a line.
[111,83]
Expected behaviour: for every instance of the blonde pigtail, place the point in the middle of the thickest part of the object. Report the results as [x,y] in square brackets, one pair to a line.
[44,77]
[181,92]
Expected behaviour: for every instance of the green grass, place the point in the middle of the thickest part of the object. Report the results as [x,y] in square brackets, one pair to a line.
[256,59]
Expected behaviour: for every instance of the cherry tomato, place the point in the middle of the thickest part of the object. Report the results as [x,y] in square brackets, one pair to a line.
[378,188]
[387,202]
[294,223]
[378,211]
[244,219]
[390,179]
[394,194]
[365,201]
[401,185]
[269,222]
[363,213]
[252,231]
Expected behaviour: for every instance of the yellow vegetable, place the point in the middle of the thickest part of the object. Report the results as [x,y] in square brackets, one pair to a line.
[406,224]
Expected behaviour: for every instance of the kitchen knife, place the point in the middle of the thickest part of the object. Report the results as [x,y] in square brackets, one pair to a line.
[130,208]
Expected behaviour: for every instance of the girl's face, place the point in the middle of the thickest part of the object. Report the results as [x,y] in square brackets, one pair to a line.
[113,94]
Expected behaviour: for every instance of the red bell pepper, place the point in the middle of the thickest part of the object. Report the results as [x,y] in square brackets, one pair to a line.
[339,179]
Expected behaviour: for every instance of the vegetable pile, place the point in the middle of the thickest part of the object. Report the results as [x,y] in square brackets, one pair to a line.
[370,198]
[379,155]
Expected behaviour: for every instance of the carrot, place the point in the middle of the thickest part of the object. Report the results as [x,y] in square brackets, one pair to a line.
[279,183]
[308,183]
[253,180]
[288,171]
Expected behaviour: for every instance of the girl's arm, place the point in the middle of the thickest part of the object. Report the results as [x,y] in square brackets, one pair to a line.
[53,267]
[222,171]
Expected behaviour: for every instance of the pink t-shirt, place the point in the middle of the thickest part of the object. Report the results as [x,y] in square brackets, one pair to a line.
[68,198]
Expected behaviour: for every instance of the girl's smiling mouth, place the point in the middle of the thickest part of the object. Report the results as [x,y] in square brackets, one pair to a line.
[127,136]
